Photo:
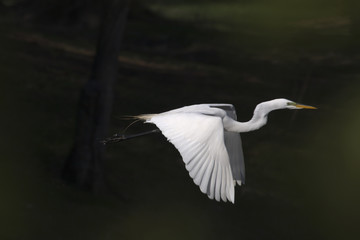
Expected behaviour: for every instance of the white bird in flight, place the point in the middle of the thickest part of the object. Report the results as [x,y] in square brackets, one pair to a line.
[207,137]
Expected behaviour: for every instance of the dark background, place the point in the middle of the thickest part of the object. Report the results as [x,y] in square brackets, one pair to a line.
[303,168]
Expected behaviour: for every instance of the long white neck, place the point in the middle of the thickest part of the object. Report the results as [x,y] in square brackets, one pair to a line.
[258,120]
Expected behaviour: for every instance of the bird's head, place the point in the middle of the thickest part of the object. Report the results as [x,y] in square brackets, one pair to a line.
[264,108]
[280,103]
[293,105]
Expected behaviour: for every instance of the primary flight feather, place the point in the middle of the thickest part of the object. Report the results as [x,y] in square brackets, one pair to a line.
[207,137]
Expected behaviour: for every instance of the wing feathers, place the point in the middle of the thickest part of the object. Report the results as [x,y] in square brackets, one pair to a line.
[200,140]
[196,162]
[211,189]
[205,182]
[218,183]
[202,167]
[223,184]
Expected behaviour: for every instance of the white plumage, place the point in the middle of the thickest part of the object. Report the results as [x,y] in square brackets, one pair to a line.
[207,161]
[207,137]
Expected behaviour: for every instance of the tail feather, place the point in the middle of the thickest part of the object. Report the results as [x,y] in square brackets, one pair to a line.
[144,117]
[127,117]
[137,118]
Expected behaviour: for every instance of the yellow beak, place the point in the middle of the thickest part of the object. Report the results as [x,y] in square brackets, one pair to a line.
[304,106]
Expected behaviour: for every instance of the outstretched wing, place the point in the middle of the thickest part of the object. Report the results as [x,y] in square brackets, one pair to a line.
[234,146]
[200,140]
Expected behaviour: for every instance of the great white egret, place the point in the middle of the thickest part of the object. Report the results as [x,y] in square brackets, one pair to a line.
[207,137]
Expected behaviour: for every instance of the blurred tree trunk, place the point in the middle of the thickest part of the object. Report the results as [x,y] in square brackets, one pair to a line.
[84,166]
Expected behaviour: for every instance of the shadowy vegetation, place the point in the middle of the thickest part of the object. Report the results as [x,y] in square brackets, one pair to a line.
[302,169]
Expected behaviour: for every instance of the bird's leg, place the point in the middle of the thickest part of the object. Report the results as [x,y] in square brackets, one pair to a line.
[122,137]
